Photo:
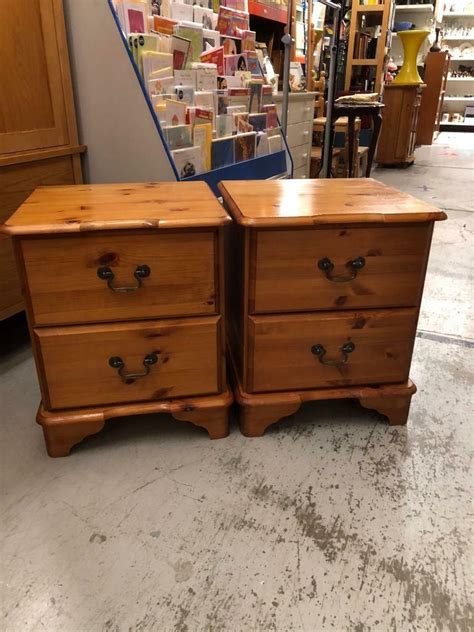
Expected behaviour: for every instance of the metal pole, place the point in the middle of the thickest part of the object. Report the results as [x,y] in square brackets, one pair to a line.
[286,40]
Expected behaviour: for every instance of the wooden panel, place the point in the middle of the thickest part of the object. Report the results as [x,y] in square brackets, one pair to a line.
[282,358]
[16,183]
[434,77]
[68,290]
[288,279]
[11,300]
[33,112]
[396,142]
[280,203]
[117,206]
[76,361]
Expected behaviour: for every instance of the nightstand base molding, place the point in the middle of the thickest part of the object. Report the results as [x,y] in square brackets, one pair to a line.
[259,411]
[63,429]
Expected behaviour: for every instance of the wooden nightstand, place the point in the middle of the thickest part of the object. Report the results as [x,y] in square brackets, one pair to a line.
[124,293]
[324,291]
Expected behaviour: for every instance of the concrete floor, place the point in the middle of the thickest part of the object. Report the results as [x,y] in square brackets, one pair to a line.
[332,521]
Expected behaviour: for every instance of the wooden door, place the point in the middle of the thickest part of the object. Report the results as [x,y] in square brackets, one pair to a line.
[32,108]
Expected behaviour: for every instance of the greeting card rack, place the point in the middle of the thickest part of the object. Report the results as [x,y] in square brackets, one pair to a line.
[116,118]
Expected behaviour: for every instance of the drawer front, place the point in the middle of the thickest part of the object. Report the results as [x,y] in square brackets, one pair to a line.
[64,283]
[298,111]
[77,361]
[308,351]
[300,156]
[300,173]
[299,134]
[288,277]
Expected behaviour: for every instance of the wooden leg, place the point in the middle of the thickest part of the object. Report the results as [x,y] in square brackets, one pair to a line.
[395,407]
[214,420]
[61,436]
[255,419]
[377,124]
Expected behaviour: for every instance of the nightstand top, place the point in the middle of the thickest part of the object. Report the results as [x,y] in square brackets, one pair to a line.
[92,207]
[277,203]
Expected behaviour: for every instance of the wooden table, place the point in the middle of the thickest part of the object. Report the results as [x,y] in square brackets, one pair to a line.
[325,285]
[123,286]
[352,111]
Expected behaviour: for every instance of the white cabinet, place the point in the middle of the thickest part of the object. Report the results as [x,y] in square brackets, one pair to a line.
[299,129]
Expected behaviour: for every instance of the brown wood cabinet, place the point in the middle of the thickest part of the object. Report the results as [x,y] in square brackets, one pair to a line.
[38,135]
[124,295]
[397,139]
[324,286]
[431,107]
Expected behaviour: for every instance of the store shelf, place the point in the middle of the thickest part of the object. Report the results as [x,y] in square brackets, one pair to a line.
[461,79]
[464,99]
[418,8]
[462,58]
[269,11]
[461,38]
[368,8]
[456,127]
[458,15]
[364,62]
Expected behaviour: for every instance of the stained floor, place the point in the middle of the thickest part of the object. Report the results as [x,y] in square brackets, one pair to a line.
[333,521]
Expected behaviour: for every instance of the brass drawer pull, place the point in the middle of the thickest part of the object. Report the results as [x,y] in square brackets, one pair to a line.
[106,274]
[129,378]
[320,351]
[327,266]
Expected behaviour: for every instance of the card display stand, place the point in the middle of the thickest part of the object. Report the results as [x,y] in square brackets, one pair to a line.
[116,117]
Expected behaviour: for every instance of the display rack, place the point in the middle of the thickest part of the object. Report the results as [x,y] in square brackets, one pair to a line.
[365,72]
[459,90]
[116,118]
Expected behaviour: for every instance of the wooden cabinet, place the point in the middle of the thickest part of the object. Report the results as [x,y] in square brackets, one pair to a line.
[299,130]
[324,288]
[124,296]
[431,107]
[38,135]
[399,122]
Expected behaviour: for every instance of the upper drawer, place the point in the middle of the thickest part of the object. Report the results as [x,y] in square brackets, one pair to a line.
[65,286]
[301,110]
[299,134]
[93,365]
[302,351]
[339,268]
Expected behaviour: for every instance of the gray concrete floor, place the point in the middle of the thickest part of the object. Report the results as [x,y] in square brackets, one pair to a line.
[332,521]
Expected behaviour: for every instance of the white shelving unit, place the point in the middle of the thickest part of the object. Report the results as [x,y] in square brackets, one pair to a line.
[422,16]
[457,88]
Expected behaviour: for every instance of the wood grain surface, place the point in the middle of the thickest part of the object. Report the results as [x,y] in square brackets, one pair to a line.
[65,288]
[93,207]
[77,371]
[280,203]
[287,277]
[281,357]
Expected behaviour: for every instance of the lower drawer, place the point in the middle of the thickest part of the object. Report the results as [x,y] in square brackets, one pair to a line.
[300,155]
[104,364]
[316,351]
[300,173]
[299,134]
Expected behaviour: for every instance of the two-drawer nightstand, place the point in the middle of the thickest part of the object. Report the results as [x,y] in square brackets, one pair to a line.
[124,292]
[324,291]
